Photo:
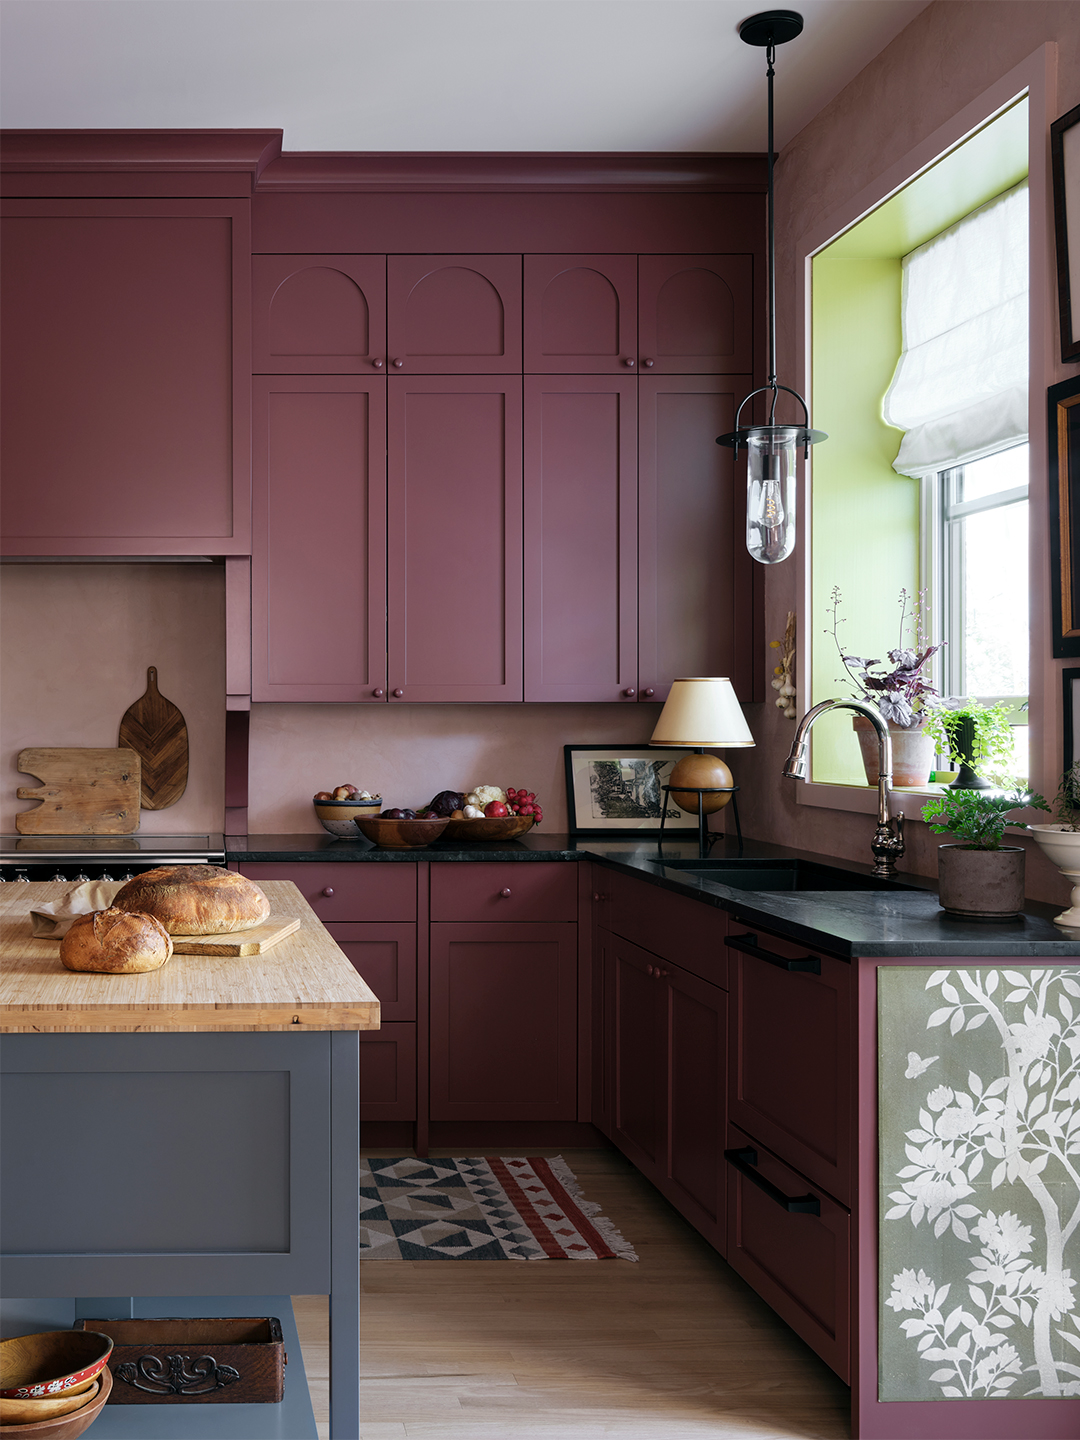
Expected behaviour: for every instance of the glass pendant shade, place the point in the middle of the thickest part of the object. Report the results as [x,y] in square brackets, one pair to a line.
[770,492]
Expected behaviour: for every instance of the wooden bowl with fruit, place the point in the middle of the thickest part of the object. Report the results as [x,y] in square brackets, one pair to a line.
[488,812]
[398,829]
[338,808]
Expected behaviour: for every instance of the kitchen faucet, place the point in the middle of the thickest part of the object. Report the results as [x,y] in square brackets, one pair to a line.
[888,841]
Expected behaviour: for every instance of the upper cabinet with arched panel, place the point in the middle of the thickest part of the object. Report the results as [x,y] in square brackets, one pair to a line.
[319,314]
[580,314]
[695,314]
[454,314]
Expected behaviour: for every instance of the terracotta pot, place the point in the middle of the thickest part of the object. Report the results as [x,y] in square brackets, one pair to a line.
[912,753]
[981,884]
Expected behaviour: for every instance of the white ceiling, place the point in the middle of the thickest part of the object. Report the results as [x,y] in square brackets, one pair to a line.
[433,74]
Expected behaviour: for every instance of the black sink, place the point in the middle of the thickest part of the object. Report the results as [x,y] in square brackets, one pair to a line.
[780,875]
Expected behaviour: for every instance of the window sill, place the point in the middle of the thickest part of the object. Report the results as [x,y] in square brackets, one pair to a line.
[860,799]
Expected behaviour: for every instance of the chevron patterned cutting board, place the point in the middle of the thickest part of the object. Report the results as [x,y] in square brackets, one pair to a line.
[154,728]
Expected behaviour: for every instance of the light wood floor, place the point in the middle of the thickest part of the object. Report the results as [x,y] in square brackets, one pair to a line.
[674,1347]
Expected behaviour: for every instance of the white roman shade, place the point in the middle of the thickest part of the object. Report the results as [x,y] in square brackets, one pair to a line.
[960,390]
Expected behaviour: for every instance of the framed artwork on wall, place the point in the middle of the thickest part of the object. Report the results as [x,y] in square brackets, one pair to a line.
[615,790]
[1070,685]
[1063,427]
[1065,161]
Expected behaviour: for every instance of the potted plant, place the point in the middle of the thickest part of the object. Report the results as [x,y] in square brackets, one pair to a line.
[904,694]
[1061,842]
[979,878]
[976,737]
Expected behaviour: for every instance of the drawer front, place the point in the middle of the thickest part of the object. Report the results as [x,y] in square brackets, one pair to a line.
[678,928]
[384,891]
[385,955]
[517,890]
[791,1055]
[388,1073]
[797,1261]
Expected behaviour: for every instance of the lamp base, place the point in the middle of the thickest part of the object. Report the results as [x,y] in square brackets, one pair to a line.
[700,772]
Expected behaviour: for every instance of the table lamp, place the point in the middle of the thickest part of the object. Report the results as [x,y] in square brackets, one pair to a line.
[701,711]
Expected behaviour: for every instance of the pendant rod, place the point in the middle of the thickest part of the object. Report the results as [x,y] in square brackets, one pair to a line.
[770,57]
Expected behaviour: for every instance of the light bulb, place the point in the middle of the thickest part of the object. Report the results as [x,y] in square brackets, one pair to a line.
[770,493]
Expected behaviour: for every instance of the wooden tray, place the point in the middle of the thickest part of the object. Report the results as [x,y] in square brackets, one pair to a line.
[193,1361]
[255,941]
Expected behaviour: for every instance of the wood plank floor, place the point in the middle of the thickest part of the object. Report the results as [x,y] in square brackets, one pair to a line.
[675,1347]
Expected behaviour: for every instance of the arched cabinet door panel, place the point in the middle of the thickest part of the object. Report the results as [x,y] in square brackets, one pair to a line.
[454,314]
[580,314]
[319,314]
[696,314]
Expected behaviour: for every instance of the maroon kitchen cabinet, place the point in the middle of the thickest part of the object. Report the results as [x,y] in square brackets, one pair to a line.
[454,314]
[318,314]
[503,1021]
[696,610]
[580,314]
[454,538]
[580,538]
[695,314]
[126,377]
[318,579]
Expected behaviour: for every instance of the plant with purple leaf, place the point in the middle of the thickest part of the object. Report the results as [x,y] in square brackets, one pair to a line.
[903,694]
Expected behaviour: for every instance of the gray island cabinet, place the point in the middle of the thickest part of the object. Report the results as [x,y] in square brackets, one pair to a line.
[185,1142]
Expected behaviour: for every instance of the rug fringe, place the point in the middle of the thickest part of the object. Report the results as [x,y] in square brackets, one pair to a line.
[569,1181]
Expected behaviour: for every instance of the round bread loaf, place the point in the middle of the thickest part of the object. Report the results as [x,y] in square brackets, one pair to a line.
[195,899]
[118,942]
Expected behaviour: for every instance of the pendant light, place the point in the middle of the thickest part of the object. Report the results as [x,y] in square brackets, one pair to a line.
[771,448]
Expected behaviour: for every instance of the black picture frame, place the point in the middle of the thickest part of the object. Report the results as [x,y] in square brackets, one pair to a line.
[1070,710]
[1065,166]
[1063,450]
[581,795]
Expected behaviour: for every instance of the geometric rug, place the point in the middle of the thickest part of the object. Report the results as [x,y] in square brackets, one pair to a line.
[481,1208]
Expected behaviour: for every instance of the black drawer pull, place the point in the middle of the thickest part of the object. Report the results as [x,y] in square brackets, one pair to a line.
[744,1161]
[749,946]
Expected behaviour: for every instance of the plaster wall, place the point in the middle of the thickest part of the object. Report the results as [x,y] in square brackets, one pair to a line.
[944,60]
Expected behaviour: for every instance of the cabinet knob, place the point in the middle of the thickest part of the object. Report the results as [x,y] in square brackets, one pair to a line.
[378,362]
[648,694]
[505,893]
[630,693]
[329,890]
[599,897]
[378,694]
[398,364]
[648,970]
[648,362]
[398,694]
[629,362]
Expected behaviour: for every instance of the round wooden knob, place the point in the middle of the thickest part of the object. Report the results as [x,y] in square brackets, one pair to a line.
[398,364]
[648,694]
[648,362]
[629,362]
[630,693]
[398,694]
[329,890]
[505,892]
[377,362]
[378,694]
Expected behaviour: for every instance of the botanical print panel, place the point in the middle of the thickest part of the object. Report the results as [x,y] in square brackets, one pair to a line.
[979,1136]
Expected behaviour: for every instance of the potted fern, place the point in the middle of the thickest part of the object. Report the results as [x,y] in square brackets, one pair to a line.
[979,878]
[1061,842]
[977,738]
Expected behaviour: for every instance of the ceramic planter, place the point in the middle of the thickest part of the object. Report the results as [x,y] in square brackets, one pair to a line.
[981,884]
[1063,848]
[912,753]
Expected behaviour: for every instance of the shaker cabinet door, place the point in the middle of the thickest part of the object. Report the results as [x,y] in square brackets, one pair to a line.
[454,314]
[580,538]
[580,314]
[695,314]
[318,314]
[318,572]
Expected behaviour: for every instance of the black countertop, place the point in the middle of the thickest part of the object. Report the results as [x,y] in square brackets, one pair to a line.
[899,921]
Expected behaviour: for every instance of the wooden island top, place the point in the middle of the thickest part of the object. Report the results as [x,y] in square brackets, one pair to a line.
[304,982]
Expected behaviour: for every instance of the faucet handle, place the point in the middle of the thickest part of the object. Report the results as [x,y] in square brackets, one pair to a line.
[888,846]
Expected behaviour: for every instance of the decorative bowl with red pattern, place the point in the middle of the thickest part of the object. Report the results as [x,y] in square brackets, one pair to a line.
[50,1362]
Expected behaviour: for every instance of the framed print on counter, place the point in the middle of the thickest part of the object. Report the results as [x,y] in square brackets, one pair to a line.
[616,790]
[1063,436]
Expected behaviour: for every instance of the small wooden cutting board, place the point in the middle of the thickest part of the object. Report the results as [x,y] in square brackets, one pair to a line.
[84,792]
[155,729]
[255,941]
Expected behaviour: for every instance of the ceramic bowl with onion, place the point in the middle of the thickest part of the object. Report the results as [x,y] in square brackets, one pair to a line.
[337,816]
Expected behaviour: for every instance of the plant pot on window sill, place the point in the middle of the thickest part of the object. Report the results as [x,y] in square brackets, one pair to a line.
[981,884]
[912,754]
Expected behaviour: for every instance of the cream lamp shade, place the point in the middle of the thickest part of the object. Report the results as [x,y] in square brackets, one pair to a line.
[702,711]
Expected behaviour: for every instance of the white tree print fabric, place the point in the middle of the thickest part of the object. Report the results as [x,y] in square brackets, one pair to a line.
[980,1182]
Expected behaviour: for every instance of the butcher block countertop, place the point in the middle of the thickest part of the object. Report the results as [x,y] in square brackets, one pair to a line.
[303,983]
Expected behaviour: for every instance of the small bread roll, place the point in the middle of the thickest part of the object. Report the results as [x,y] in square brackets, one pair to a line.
[196,899]
[117,942]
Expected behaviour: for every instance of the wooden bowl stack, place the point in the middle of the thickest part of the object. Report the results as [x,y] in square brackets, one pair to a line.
[53,1384]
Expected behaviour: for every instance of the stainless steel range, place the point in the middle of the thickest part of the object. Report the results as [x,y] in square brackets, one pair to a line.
[102,857]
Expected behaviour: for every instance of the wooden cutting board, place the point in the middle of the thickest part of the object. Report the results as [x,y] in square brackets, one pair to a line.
[155,729]
[84,792]
[255,941]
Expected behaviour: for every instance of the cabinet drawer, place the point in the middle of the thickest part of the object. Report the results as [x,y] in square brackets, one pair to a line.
[797,1261]
[791,1054]
[685,931]
[385,955]
[388,1073]
[384,891]
[515,890]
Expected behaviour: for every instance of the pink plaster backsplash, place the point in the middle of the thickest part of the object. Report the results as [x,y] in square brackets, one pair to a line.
[409,753]
[77,640]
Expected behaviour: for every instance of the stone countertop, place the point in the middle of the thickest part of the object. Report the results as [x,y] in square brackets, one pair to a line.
[900,921]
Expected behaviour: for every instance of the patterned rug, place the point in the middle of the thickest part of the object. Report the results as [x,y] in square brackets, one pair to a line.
[481,1209]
